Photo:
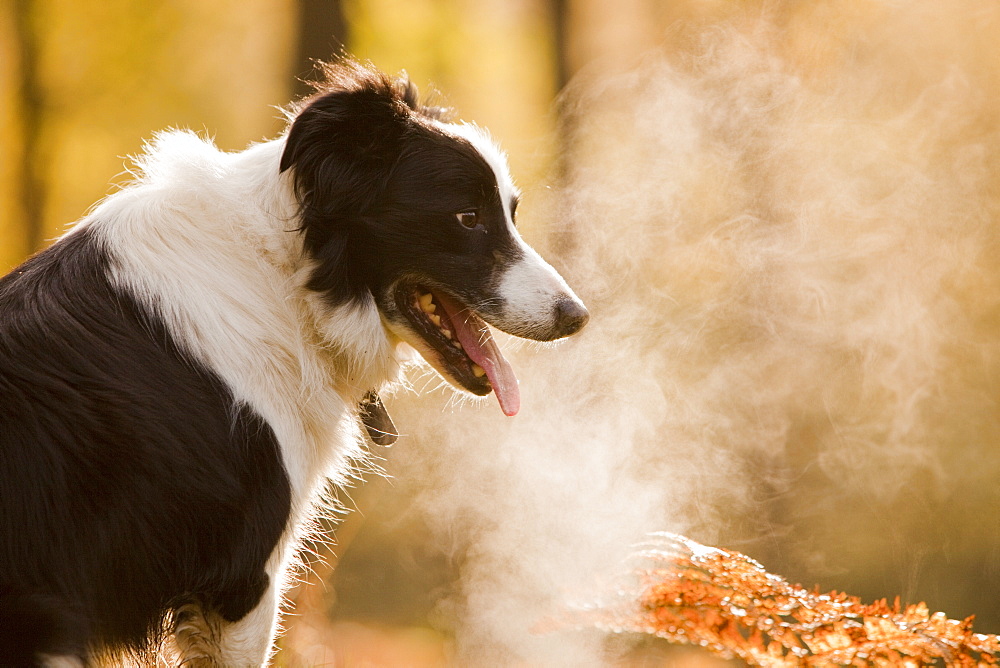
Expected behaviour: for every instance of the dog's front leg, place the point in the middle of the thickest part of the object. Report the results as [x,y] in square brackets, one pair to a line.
[250,641]
[205,639]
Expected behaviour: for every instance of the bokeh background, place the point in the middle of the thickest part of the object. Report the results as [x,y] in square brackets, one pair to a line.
[784,215]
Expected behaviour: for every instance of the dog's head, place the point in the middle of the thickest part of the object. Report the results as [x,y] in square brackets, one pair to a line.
[418,215]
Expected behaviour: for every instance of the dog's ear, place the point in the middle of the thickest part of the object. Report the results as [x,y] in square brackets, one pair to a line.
[341,148]
[353,123]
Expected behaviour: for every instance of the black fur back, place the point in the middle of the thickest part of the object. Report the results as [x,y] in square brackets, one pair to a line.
[130,480]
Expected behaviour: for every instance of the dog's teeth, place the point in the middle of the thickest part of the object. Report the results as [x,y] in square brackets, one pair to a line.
[426,302]
[436,319]
[478,371]
[447,332]
[457,344]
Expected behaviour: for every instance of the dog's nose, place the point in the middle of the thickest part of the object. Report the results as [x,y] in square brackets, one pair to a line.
[571,316]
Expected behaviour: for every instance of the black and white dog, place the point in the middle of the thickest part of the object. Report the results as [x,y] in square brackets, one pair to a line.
[183,371]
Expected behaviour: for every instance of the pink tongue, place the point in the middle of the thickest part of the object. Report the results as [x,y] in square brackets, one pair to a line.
[476,339]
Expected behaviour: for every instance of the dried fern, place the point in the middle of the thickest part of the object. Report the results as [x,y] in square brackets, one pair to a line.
[726,602]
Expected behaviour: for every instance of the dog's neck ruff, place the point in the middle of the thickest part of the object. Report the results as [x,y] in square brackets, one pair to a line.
[208,241]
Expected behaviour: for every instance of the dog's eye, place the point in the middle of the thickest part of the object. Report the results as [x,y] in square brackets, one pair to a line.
[468,219]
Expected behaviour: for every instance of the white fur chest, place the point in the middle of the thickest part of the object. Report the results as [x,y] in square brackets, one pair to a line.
[208,241]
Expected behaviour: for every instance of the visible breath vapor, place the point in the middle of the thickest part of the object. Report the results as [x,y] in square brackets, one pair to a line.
[785,228]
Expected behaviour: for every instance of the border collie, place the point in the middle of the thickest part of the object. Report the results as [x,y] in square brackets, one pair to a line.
[185,370]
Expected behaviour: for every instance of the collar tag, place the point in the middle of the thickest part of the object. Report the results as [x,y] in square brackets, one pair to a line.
[376,420]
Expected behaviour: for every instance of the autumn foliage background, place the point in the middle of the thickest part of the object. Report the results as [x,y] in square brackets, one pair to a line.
[783,215]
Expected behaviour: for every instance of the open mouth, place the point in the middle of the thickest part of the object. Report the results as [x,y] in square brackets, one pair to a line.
[460,344]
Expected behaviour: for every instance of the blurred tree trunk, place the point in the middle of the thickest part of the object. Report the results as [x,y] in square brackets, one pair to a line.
[323,33]
[559,25]
[562,238]
[31,108]
[602,43]
[559,11]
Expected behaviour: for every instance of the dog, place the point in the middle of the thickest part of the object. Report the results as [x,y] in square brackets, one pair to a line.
[188,367]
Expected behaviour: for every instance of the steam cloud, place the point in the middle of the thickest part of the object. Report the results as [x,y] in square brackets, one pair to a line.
[785,227]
